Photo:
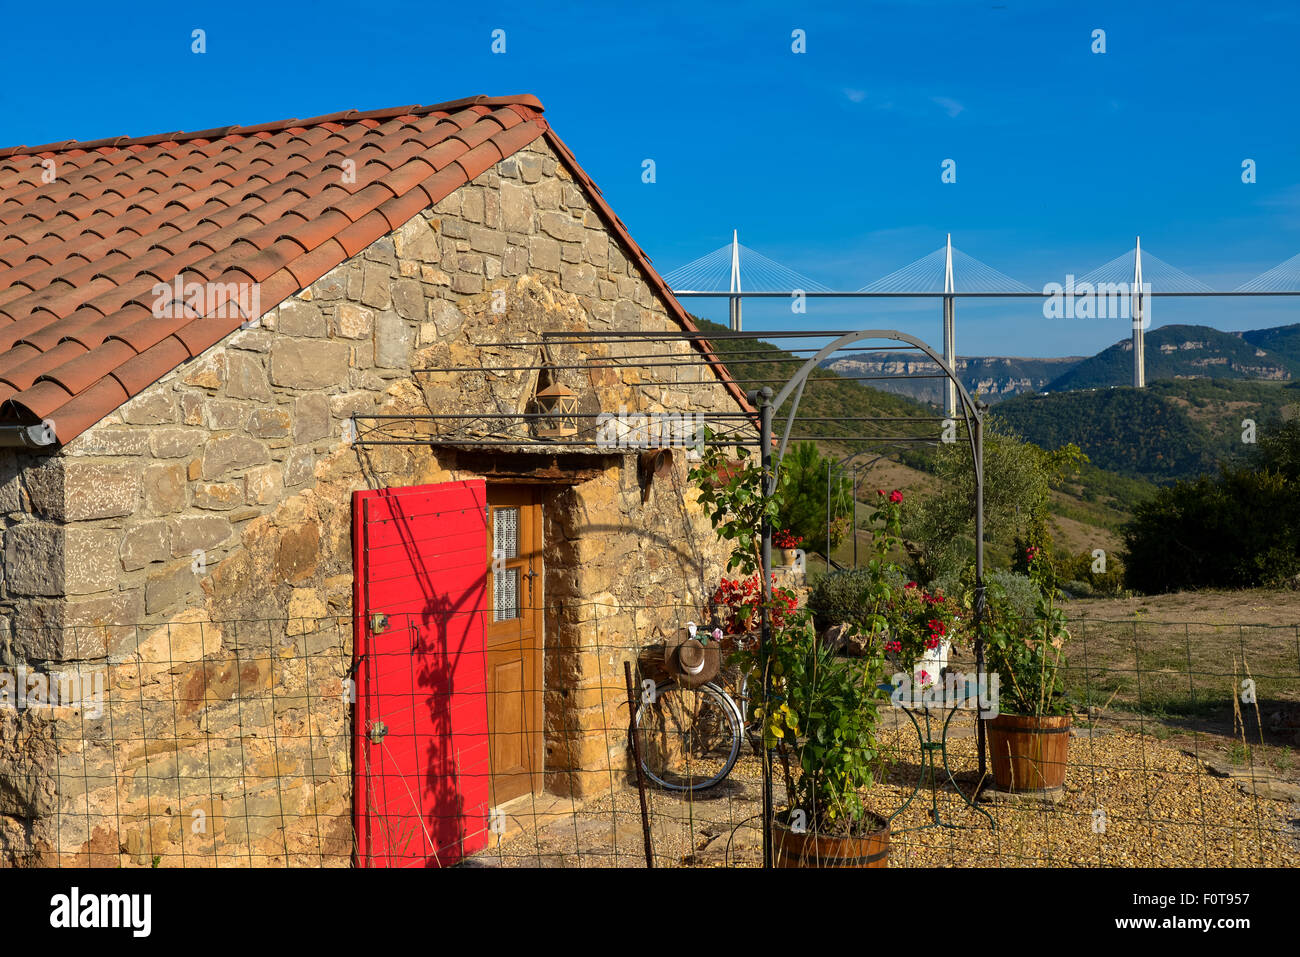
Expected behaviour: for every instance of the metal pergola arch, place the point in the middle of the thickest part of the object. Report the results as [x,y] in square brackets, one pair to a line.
[767,403]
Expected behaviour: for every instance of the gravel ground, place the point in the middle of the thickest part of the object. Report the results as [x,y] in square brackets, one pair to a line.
[1157,807]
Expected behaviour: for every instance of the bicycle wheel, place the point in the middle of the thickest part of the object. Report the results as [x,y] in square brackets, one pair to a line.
[736,684]
[689,737]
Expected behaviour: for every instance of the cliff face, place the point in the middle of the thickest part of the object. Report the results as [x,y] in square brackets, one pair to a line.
[992,378]
[1182,352]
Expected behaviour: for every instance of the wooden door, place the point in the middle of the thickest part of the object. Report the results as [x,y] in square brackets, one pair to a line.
[514,641]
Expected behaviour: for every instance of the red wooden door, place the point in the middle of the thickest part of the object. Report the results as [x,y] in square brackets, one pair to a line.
[421,756]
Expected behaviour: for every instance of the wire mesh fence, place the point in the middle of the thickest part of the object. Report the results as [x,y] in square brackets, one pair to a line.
[271,743]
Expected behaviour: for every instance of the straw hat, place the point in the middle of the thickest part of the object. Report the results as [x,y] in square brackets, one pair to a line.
[690,661]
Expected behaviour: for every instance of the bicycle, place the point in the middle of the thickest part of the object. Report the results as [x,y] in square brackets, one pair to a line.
[690,738]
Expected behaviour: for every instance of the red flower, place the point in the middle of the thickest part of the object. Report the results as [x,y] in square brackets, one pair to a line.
[880,491]
[895,496]
[910,585]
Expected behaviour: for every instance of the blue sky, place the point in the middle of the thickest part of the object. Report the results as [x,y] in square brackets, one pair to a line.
[828,161]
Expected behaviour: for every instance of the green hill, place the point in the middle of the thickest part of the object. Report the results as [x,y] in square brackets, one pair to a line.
[1175,428]
[1180,352]
[1131,431]
[1091,509]
[830,402]
[1283,342]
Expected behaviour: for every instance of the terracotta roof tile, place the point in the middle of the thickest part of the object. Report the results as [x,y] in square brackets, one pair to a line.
[79,372]
[41,400]
[308,268]
[139,372]
[80,257]
[353,239]
[13,360]
[399,209]
[15,332]
[79,414]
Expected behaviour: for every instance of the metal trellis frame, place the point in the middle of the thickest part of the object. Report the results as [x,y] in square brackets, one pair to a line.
[510,432]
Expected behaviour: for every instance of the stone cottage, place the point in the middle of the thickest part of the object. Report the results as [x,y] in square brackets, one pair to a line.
[306,557]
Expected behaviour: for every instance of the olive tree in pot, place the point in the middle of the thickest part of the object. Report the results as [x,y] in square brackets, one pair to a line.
[1029,739]
[821,720]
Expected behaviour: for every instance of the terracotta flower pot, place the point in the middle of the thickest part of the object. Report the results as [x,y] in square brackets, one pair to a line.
[1029,754]
[813,850]
[788,555]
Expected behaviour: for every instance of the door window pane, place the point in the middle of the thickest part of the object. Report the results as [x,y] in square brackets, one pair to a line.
[505,594]
[505,532]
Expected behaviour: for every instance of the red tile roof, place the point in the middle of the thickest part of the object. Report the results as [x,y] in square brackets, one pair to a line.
[81,254]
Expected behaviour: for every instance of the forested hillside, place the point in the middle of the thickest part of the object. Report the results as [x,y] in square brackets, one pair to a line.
[1175,428]
[1182,352]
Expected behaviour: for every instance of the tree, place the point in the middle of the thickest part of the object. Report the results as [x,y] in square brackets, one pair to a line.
[1238,529]
[1018,480]
[803,493]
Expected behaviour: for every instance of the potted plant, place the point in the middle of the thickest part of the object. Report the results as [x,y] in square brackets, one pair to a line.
[923,626]
[821,716]
[821,721]
[1030,737]
[789,544]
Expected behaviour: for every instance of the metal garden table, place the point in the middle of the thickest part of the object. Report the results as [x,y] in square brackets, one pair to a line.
[929,748]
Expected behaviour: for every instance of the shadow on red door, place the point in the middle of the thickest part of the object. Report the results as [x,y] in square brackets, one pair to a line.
[421,753]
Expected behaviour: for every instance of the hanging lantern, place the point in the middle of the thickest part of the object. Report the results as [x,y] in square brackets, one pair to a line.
[559,412]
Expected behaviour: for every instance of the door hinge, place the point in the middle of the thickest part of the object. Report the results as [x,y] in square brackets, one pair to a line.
[378,623]
[377,731]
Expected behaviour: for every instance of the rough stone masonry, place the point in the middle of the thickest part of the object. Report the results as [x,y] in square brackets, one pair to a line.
[194,548]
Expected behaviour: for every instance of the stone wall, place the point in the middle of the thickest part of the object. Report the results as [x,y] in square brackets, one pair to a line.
[195,547]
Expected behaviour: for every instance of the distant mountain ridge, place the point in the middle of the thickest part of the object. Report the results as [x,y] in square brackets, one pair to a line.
[992,378]
[1283,341]
[1174,428]
[1173,352]
[1191,352]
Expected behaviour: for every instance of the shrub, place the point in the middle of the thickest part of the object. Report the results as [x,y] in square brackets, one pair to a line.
[841,595]
[1080,579]
[1018,480]
[1238,530]
[802,511]
[1018,591]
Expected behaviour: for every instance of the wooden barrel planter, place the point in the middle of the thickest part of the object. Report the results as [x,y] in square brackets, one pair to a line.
[812,850]
[1029,754]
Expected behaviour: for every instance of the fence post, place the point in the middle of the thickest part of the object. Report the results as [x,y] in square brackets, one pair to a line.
[636,760]
[769,488]
[977,424]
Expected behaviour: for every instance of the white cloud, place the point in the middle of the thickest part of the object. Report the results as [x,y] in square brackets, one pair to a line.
[950,106]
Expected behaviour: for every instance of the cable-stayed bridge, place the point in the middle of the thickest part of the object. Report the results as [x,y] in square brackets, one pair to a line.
[737,272]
